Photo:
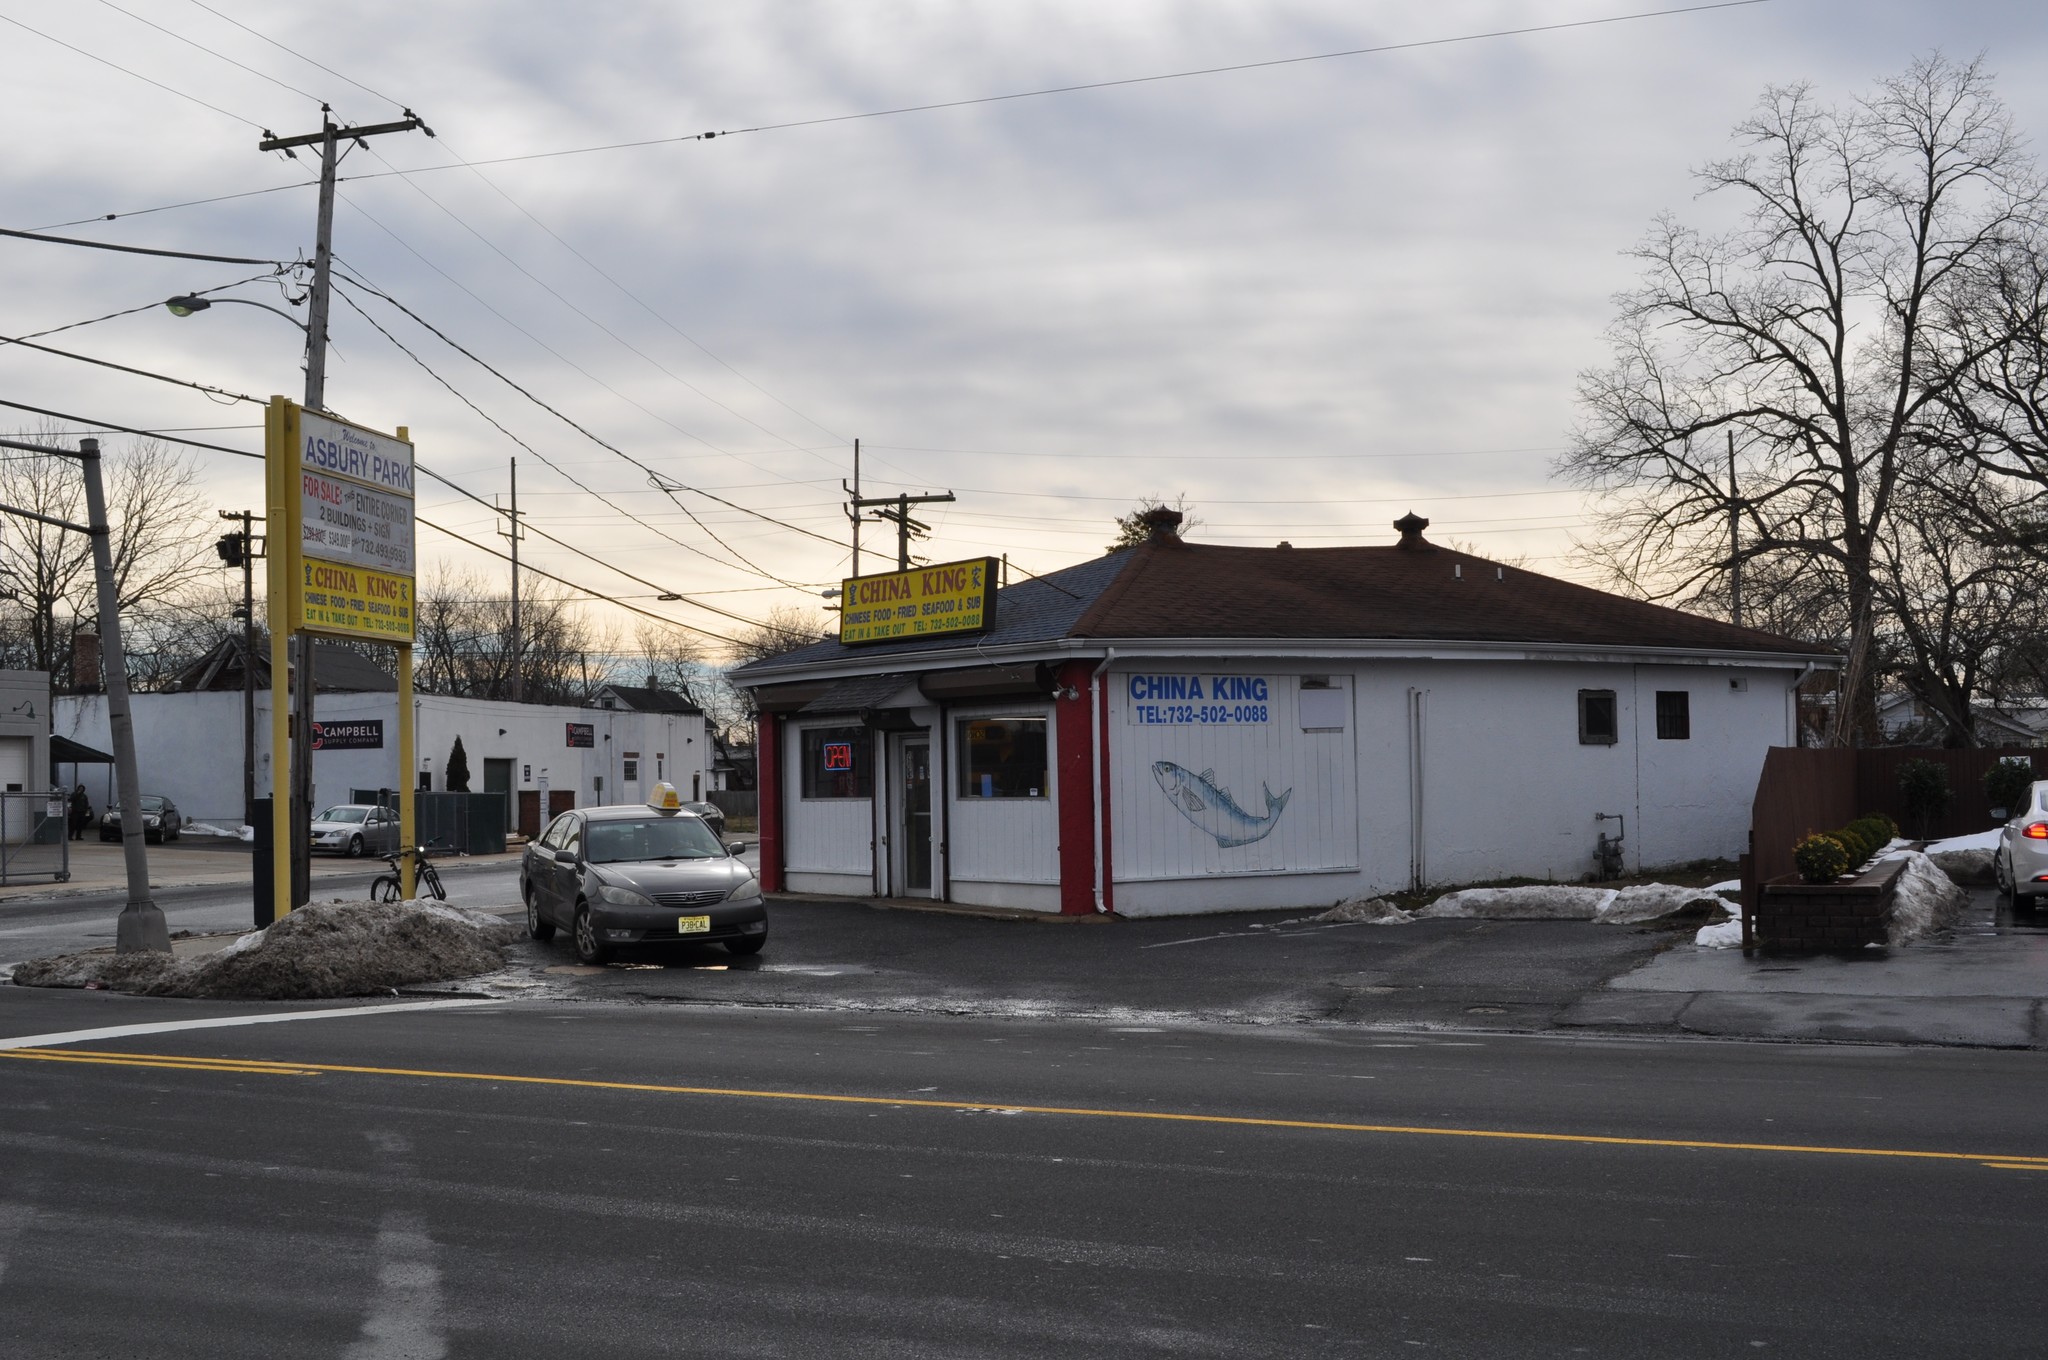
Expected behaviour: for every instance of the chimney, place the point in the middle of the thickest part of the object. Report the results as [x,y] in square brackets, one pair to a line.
[651,678]
[85,662]
[1163,523]
[1411,526]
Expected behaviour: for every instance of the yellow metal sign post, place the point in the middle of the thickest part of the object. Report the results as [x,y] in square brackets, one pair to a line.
[341,564]
[952,597]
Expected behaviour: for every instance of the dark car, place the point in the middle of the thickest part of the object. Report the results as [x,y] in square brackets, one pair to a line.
[160,820]
[713,815]
[637,875]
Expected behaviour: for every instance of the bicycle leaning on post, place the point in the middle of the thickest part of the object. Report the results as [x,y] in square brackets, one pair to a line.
[386,887]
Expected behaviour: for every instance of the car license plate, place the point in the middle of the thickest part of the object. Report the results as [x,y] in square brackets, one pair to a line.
[693,925]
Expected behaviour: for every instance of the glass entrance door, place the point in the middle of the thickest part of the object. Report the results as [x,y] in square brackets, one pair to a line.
[914,834]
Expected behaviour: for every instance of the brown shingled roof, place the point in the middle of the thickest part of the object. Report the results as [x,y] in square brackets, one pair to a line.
[1415,591]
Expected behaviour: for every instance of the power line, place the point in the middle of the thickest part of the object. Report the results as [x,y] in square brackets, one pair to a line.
[137,74]
[225,18]
[659,479]
[189,203]
[1110,84]
[139,372]
[169,33]
[1264,455]
[140,250]
[145,307]
[587,490]
[102,426]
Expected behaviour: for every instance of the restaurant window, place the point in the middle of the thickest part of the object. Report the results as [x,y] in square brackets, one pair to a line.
[1597,724]
[1002,758]
[1674,715]
[835,762]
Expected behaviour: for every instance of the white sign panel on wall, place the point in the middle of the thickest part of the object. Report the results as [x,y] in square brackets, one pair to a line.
[1233,774]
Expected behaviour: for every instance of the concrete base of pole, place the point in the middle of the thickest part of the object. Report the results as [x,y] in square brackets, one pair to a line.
[140,929]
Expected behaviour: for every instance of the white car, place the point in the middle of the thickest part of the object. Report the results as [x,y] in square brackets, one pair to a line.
[2022,859]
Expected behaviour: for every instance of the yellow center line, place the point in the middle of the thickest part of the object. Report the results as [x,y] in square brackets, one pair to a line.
[2001,1161]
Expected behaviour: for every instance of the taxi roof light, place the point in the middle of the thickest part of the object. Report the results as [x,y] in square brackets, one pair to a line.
[665,798]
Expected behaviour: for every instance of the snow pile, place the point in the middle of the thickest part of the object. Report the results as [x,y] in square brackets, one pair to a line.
[1966,859]
[1372,911]
[1535,902]
[335,949]
[1721,935]
[1927,900]
[203,829]
[1564,902]
[1657,901]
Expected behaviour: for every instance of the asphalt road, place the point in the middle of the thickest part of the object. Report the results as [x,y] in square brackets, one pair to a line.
[565,1180]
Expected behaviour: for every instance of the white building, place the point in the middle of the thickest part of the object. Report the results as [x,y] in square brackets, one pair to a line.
[1182,728]
[25,732]
[189,747]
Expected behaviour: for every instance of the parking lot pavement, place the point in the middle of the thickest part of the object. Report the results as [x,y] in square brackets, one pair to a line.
[1245,968]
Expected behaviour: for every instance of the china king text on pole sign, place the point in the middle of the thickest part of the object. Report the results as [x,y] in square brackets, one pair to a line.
[354,530]
[952,597]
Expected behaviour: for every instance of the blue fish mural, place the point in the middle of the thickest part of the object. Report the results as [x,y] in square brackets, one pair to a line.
[1198,798]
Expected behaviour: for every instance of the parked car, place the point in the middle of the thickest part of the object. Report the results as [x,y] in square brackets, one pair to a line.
[648,873]
[355,829]
[160,820]
[713,815]
[2021,860]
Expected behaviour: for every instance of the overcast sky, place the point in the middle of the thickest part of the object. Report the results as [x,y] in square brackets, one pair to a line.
[1310,297]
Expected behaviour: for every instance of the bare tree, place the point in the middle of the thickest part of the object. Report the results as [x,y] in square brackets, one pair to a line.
[159,535]
[1806,335]
[463,641]
[673,659]
[731,709]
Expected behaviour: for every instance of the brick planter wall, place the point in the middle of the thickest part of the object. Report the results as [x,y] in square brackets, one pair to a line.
[1846,914]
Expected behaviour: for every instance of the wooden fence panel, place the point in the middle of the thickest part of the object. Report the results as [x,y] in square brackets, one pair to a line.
[1969,811]
[1800,790]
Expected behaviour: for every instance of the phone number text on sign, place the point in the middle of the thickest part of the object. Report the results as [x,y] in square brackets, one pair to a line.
[1198,700]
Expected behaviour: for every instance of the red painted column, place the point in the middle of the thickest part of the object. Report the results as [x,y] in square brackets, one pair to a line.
[768,798]
[1074,741]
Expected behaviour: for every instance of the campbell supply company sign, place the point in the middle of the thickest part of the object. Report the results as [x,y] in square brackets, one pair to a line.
[953,597]
[354,530]
[366,734]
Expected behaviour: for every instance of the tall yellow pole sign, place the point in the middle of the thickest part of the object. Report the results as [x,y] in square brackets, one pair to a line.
[341,564]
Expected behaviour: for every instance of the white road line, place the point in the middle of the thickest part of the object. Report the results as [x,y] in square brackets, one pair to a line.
[79,1036]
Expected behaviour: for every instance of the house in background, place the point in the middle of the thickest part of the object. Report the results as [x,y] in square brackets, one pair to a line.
[1906,720]
[1180,728]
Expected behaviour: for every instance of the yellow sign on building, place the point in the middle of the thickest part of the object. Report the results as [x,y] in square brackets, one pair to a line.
[952,597]
[355,601]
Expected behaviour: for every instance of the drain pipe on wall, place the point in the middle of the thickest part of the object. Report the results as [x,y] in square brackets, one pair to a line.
[1101,772]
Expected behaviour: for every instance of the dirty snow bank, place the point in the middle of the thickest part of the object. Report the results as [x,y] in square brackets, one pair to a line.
[1372,911]
[1966,859]
[1559,902]
[1927,901]
[328,950]
[1539,902]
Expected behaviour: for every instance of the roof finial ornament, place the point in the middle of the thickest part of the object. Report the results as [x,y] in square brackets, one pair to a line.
[1410,527]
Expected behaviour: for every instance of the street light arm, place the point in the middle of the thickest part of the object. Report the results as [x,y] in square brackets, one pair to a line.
[183,306]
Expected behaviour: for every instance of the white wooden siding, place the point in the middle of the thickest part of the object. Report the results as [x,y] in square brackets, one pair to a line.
[1000,840]
[825,835]
[1317,830]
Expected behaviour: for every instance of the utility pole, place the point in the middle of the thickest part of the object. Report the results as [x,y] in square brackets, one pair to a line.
[239,550]
[141,925]
[896,509]
[304,685]
[853,508]
[515,533]
[1734,540]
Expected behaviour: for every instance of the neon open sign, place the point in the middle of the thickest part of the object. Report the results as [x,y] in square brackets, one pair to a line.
[838,755]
